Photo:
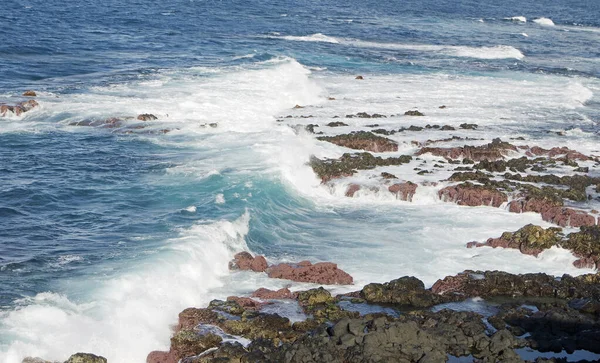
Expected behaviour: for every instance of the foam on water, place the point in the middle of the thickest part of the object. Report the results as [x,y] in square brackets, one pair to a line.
[318,37]
[519,19]
[484,52]
[127,316]
[544,21]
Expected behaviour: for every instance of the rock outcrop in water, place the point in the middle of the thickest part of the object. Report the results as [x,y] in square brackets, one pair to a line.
[18,108]
[536,311]
[532,240]
[75,358]
[326,273]
[245,261]
[362,140]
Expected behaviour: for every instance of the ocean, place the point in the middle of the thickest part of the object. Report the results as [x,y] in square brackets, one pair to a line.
[107,231]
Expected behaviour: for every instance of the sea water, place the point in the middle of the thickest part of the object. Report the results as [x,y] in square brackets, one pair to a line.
[106,234]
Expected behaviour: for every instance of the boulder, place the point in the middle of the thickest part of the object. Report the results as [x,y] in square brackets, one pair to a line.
[29,93]
[186,343]
[245,261]
[352,189]
[407,291]
[266,294]
[403,191]
[326,273]
[85,358]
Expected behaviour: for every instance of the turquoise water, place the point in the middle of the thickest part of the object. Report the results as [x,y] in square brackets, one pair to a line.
[107,233]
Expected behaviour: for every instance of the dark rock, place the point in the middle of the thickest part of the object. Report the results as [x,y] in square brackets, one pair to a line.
[413,113]
[362,140]
[147,117]
[495,150]
[337,124]
[388,176]
[530,240]
[467,126]
[359,77]
[326,273]
[245,261]
[348,164]
[408,291]
[85,358]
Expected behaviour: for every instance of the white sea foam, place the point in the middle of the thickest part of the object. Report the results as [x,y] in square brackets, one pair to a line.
[127,316]
[484,52]
[519,19]
[318,37]
[544,21]
[191,209]
[220,198]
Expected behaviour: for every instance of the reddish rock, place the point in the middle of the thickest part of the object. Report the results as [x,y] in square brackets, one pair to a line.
[192,317]
[325,273]
[162,357]
[29,93]
[568,153]
[586,262]
[472,195]
[19,108]
[246,302]
[568,217]
[245,261]
[266,294]
[404,191]
[451,284]
[352,188]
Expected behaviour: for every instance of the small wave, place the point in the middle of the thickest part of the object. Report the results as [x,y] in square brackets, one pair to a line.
[493,52]
[518,19]
[318,37]
[220,199]
[544,21]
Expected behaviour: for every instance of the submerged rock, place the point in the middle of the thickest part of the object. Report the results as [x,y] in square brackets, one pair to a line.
[326,273]
[18,109]
[266,294]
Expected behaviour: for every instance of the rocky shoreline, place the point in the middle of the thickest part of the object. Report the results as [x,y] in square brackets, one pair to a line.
[481,316]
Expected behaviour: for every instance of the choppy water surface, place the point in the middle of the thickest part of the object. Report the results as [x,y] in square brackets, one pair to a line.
[107,233]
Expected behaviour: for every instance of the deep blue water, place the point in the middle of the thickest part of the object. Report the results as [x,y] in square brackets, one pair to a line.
[79,206]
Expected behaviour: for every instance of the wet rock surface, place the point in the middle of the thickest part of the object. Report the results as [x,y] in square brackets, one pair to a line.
[320,273]
[532,240]
[535,311]
[362,140]
[18,109]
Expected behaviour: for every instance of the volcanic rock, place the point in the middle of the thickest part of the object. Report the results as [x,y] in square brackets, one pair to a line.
[326,273]
[245,261]
[362,140]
